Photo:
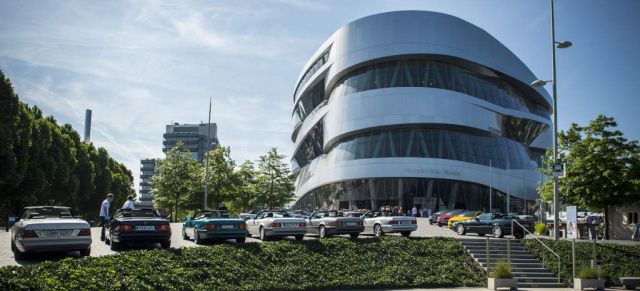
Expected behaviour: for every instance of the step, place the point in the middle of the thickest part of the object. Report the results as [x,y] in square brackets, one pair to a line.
[541,285]
[516,266]
[536,279]
[513,261]
[504,256]
[533,274]
[529,270]
[493,248]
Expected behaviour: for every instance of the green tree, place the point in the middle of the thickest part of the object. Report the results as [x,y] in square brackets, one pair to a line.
[275,184]
[175,179]
[601,167]
[223,181]
[246,197]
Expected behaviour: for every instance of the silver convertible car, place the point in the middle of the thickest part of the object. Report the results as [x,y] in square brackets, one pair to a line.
[381,223]
[269,224]
[327,223]
[49,228]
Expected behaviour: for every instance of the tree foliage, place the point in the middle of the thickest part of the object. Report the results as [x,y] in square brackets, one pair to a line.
[223,180]
[602,167]
[246,197]
[275,183]
[43,163]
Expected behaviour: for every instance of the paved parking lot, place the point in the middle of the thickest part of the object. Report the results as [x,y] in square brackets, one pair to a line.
[99,248]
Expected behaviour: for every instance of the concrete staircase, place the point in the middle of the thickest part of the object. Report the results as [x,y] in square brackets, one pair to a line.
[528,270]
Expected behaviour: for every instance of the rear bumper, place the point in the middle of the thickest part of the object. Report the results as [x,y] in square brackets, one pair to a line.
[42,245]
[344,229]
[399,228]
[285,231]
[222,234]
[141,237]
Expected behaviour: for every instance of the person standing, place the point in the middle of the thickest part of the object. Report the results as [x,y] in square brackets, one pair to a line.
[104,212]
[129,203]
[223,207]
[591,224]
[414,210]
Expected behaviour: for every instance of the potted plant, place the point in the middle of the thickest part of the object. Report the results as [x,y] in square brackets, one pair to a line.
[588,277]
[501,277]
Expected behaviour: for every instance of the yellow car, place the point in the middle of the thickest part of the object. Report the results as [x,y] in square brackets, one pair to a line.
[463,216]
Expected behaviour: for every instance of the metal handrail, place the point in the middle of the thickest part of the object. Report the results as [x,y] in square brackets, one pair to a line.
[545,245]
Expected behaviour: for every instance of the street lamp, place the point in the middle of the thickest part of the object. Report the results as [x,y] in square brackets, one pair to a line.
[206,176]
[539,83]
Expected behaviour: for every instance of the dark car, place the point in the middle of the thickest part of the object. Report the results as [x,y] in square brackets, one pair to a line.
[444,218]
[138,226]
[496,224]
[434,217]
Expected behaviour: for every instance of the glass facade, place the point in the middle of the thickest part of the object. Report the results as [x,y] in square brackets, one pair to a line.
[311,147]
[440,75]
[308,102]
[307,75]
[425,193]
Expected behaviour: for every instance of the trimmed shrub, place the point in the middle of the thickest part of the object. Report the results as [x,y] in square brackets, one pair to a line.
[539,228]
[618,260]
[338,263]
[502,271]
[587,272]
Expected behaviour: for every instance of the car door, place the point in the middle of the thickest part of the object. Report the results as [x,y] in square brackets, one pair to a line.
[368,221]
[314,222]
[252,224]
[475,223]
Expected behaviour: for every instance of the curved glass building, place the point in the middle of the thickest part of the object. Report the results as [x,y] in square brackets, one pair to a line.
[417,108]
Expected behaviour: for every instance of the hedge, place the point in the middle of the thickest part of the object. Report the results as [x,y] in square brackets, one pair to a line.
[617,260]
[338,263]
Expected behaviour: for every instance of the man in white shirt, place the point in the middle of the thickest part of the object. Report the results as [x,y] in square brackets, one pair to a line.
[104,212]
[129,203]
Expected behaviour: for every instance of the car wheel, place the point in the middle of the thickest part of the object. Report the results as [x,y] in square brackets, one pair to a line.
[196,237]
[114,245]
[518,235]
[439,225]
[430,222]
[184,234]
[241,240]
[322,232]
[17,254]
[377,230]
[406,233]
[496,231]
[460,229]
[263,234]
[85,252]
[165,244]
[354,235]
[299,237]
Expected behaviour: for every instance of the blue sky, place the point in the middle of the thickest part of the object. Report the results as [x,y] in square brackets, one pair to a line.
[140,65]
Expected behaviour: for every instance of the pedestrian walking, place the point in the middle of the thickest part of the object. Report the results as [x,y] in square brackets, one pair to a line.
[223,207]
[414,211]
[104,212]
[591,224]
[129,203]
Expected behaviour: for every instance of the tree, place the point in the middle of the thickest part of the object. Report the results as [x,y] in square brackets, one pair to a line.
[223,181]
[175,179]
[275,184]
[601,167]
[247,190]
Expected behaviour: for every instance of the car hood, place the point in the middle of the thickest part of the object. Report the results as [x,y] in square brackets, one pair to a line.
[55,223]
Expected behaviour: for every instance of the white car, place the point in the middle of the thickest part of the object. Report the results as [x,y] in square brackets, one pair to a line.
[379,223]
[49,228]
[325,223]
[268,224]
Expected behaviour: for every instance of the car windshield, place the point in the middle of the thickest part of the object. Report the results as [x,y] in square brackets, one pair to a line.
[467,214]
[210,214]
[47,212]
[454,212]
[280,214]
[139,213]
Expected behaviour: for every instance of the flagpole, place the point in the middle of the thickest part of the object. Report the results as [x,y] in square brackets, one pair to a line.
[206,176]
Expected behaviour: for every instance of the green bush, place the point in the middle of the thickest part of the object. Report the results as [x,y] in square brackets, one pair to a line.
[339,263]
[587,272]
[502,271]
[618,260]
[539,228]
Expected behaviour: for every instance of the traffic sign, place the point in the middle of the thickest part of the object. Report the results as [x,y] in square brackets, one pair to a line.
[557,169]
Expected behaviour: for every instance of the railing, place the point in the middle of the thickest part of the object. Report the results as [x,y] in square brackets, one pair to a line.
[545,245]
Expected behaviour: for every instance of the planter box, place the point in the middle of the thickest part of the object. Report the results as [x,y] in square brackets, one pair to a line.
[495,283]
[579,284]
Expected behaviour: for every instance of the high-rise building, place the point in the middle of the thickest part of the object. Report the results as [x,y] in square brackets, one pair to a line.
[417,108]
[194,137]
[147,170]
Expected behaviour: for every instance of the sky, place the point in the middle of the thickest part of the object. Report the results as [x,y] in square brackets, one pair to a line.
[140,65]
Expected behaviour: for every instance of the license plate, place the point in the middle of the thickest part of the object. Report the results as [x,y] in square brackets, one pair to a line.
[65,232]
[350,224]
[405,222]
[290,225]
[227,226]
[145,227]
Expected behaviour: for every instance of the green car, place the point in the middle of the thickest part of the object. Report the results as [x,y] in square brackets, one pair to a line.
[214,225]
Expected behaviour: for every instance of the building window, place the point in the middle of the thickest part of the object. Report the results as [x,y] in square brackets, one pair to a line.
[632,217]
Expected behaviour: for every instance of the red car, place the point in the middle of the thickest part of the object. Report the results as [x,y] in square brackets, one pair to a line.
[444,219]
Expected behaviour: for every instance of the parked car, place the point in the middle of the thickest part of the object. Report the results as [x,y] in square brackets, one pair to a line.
[463,216]
[214,225]
[381,223]
[353,214]
[327,222]
[137,226]
[249,215]
[434,217]
[49,228]
[444,218]
[496,224]
[268,224]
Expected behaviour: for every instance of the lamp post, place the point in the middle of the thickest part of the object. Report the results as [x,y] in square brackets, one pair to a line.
[539,83]
[206,176]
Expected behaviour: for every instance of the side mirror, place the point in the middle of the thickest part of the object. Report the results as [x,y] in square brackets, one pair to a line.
[189,218]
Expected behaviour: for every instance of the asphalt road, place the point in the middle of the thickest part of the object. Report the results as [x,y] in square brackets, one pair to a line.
[99,248]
